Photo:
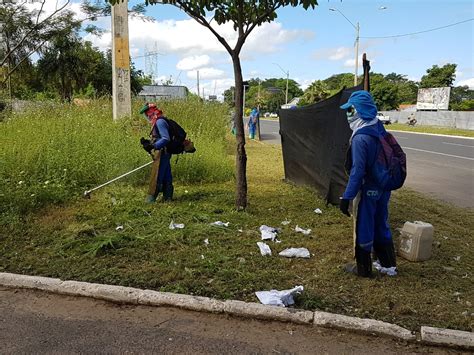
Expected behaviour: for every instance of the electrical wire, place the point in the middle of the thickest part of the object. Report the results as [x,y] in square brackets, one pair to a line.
[415,33]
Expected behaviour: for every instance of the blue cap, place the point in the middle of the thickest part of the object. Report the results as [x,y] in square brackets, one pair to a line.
[363,103]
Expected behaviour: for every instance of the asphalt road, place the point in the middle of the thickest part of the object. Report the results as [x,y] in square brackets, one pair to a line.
[34,322]
[439,166]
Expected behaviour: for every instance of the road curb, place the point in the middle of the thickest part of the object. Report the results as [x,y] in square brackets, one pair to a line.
[447,337]
[130,295]
[363,325]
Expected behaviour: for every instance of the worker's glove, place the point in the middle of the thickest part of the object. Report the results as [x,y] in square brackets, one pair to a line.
[344,206]
[146,144]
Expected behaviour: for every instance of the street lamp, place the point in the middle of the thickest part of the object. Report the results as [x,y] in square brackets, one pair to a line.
[287,76]
[356,27]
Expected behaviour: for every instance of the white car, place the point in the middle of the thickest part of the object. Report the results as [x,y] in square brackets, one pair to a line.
[383,118]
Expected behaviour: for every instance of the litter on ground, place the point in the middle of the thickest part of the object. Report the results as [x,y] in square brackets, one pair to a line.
[285,222]
[295,253]
[278,298]
[220,224]
[176,225]
[301,230]
[268,232]
[206,241]
[119,228]
[318,211]
[390,271]
[264,249]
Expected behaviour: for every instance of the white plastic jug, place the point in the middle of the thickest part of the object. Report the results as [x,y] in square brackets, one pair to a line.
[416,241]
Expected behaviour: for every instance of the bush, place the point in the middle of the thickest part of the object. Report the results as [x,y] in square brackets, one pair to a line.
[48,155]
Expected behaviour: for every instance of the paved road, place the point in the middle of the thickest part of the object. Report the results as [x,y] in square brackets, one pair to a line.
[33,322]
[440,166]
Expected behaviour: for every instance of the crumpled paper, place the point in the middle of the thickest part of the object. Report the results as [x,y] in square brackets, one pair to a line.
[220,224]
[176,225]
[318,211]
[295,253]
[264,249]
[278,298]
[268,232]
[301,230]
[390,271]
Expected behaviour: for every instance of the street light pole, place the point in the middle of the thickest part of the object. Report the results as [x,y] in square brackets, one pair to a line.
[356,54]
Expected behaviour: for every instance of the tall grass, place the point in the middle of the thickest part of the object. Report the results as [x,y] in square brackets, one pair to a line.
[48,155]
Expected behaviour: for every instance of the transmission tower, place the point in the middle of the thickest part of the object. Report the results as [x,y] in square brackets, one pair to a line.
[151,62]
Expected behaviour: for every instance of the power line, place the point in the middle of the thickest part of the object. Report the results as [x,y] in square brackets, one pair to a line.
[415,33]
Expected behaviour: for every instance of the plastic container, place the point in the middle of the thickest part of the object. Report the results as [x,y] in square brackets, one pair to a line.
[416,241]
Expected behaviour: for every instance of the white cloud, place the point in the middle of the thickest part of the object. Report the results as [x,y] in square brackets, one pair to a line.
[350,63]
[468,82]
[193,62]
[206,74]
[333,53]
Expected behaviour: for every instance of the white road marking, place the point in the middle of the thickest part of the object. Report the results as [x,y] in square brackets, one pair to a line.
[447,155]
[461,145]
[401,137]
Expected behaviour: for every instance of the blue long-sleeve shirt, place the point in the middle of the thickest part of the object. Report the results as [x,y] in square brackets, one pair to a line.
[363,153]
[161,130]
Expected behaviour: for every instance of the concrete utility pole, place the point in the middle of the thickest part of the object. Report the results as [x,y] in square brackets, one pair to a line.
[121,93]
[199,93]
[356,53]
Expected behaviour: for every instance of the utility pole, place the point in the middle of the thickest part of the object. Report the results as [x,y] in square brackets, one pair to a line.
[199,92]
[121,93]
[259,137]
[356,54]
[286,95]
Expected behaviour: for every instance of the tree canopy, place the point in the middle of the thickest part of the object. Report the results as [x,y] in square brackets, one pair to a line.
[439,76]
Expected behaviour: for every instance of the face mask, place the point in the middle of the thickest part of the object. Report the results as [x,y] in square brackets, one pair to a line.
[351,114]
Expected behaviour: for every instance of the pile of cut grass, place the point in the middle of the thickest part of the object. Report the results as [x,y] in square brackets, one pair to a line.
[80,241]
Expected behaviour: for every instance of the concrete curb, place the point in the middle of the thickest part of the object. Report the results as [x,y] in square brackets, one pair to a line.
[363,325]
[129,295]
[447,337]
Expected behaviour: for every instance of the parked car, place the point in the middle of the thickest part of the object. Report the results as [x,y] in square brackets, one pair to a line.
[383,118]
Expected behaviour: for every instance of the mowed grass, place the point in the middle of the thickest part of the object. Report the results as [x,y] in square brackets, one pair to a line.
[78,240]
[431,129]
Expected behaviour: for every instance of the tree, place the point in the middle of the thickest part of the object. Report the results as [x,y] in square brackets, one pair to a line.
[317,91]
[461,99]
[385,93]
[245,15]
[338,81]
[437,77]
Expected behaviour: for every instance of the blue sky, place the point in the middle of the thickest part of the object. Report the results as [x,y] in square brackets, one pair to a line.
[311,44]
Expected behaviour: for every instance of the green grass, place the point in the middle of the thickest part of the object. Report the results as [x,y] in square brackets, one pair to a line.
[431,129]
[78,240]
[50,153]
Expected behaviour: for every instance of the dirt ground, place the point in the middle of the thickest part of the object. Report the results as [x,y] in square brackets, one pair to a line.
[38,322]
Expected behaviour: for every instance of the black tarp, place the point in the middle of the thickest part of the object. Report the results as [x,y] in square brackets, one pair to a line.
[314,141]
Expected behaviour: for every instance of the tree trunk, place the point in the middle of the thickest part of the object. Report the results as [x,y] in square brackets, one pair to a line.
[241,156]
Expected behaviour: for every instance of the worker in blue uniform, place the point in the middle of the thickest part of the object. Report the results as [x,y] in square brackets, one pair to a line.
[372,232]
[161,178]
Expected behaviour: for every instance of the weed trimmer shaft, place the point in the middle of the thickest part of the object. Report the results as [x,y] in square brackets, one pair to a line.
[87,193]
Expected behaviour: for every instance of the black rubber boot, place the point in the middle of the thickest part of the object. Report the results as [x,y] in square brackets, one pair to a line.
[363,267]
[168,190]
[386,254]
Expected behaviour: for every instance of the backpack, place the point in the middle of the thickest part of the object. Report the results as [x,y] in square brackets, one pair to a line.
[178,139]
[390,167]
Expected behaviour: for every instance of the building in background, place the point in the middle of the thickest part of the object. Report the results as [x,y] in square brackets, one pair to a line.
[163,92]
